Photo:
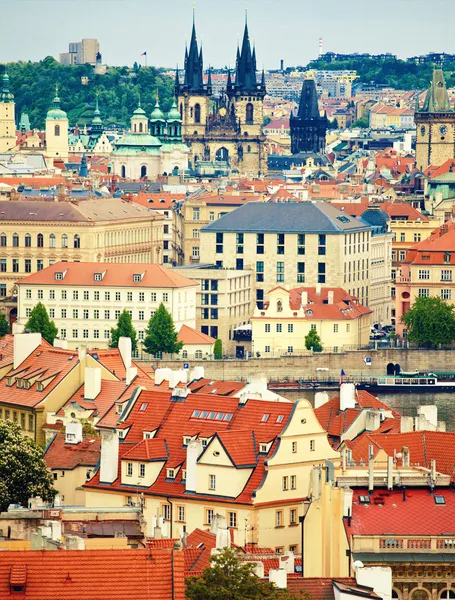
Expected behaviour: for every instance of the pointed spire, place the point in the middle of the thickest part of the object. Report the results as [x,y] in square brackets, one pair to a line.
[6,95]
[437,98]
[209,80]
[97,108]
[263,79]
[254,58]
[194,63]
[245,79]
[177,80]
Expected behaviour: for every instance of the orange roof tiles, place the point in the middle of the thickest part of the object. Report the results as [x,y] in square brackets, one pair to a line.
[115,275]
[148,450]
[402,210]
[149,574]
[110,392]
[161,201]
[189,336]
[59,455]
[6,350]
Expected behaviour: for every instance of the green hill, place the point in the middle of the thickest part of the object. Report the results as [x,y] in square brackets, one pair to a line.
[33,86]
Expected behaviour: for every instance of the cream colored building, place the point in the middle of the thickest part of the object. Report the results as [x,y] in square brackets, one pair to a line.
[289,315]
[36,234]
[7,117]
[86,299]
[224,302]
[57,131]
[291,244]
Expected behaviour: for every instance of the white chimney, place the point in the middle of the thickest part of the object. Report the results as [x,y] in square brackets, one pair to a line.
[406,424]
[378,578]
[74,542]
[109,456]
[320,398]
[92,383]
[318,288]
[347,396]
[304,298]
[63,344]
[73,433]
[197,373]
[24,344]
[330,297]
[161,375]
[287,562]
[193,451]
[430,411]
[131,373]
[55,530]
[82,352]
[390,472]
[279,577]
[347,502]
[124,346]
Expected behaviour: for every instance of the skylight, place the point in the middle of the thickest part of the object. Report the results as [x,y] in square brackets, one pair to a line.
[144,406]
[214,416]
[279,418]
[439,499]
[265,418]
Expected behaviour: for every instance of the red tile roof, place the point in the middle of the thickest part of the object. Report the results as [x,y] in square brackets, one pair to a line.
[96,574]
[148,450]
[189,336]
[402,210]
[109,394]
[215,387]
[161,201]
[115,275]
[320,588]
[6,350]
[59,455]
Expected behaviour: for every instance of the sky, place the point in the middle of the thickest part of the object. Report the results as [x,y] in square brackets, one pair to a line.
[282,29]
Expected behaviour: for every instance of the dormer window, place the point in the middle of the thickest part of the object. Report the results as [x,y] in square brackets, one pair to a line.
[121,434]
[447,257]
[137,277]
[170,473]
[58,276]
[39,386]
[263,448]
[98,277]
[186,440]
[19,383]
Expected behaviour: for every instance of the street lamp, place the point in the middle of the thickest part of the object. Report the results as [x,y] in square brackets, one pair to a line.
[306,503]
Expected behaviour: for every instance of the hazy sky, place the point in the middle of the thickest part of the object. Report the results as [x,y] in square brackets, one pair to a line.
[288,29]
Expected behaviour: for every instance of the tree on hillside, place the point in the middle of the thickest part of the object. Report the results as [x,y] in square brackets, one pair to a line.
[124,329]
[430,322]
[23,472]
[313,341]
[362,122]
[39,322]
[218,349]
[161,335]
[4,325]
[229,578]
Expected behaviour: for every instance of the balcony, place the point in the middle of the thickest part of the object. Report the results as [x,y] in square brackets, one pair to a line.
[396,544]
[403,279]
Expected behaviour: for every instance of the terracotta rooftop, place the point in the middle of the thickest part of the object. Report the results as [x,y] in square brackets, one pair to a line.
[59,455]
[189,336]
[109,394]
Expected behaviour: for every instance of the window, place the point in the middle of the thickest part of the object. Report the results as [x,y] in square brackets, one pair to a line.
[212,482]
[40,240]
[260,243]
[141,315]
[165,297]
[290,328]
[424,292]
[446,275]
[75,295]
[446,294]
[96,334]
[294,447]
[239,246]
[52,313]
[75,313]
[63,334]
[239,264]
[75,334]
[152,297]
[211,216]
[301,243]
[219,243]
[39,264]
[321,272]
[141,470]
[403,255]
[439,499]
[209,513]
[290,349]
[107,334]
[196,214]
[3,265]
[267,349]
[98,277]
[166,512]
[424,274]
[293,480]
[312,445]
[52,241]
[267,327]
[77,241]
[280,243]
[15,265]
[86,295]
[417,237]
[28,312]
[249,113]
[335,328]
[300,272]
[15,240]
[86,316]
[141,297]
[259,271]
[280,272]
[129,469]
[85,334]
[3,240]
[232,519]
[28,294]
[28,240]
[279,518]
[197,113]
[180,513]
[321,244]
[40,294]
[63,294]
[285,483]
[107,296]
[63,313]
[279,328]
[402,237]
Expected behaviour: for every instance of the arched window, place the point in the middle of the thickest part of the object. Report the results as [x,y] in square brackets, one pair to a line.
[15,240]
[52,241]
[64,241]
[198,354]
[28,240]
[249,113]
[40,240]
[57,130]
[77,241]
[143,171]
[134,128]
[197,113]
[123,171]
[279,306]
[185,354]
[140,127]
[447,595]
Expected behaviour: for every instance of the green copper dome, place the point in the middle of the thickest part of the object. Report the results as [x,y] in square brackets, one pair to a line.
[174,114]
[6,95]
[56,112]
[157,113]
[139,112]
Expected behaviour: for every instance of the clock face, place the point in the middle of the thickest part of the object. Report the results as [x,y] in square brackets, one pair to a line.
[223,111]
[443,129]
[422,130]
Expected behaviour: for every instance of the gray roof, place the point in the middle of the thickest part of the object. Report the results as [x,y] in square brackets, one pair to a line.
[287,217]
[101,209]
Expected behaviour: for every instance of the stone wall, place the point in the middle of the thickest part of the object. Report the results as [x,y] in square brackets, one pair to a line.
[299,367]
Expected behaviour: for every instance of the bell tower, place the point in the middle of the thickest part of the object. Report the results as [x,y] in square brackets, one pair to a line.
[193,97]
[7,119]
[308,127]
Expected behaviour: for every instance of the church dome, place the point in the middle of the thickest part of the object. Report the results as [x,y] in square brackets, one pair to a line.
[174,114]
[56,112]
[6,95]
[157,113]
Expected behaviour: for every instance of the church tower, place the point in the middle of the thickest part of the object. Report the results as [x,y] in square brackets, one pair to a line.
[308,128]
[57,131]
[435,122]
[193,97]
[7,118]
[139,120]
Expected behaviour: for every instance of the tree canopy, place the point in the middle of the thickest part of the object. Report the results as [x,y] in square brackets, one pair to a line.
[229,578]
[23,472]
[4,325]
[430,322]
[39,322]
[313,341]
[33,85]
[218,349]
[124,329]
[161,336]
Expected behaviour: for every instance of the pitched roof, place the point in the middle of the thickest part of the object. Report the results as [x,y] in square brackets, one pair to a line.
[115,275]
[189,336]
[59,455]
[286,217]
[109,393]
[149,574]
[321,588]
[403,210]
[6,350]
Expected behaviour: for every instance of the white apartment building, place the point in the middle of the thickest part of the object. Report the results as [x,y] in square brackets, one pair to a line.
[85,300]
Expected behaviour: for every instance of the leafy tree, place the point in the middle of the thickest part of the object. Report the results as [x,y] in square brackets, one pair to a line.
[363,122]
[4,325]
[430,322]
[124,329]
[161,335]
[229,578]
[313,341]
[218,349]
[23,472]
[39,322]
[333,124]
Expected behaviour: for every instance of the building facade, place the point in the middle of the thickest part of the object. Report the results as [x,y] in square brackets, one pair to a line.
[85,299]
[230,132]
[308,128]
[7,117]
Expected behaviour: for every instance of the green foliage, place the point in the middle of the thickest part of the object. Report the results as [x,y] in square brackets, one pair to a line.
[23,472]
[398,74]
[363,122]
[39,322]
[229,578]
[124,329]
[218,349]
[161,335]
[332,124]
[4,325]
[430,322]
[313,341]
[33,86]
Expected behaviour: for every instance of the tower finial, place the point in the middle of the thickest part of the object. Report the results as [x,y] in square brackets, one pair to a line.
[139,100]
[246,15]
[157,98]
[56,89]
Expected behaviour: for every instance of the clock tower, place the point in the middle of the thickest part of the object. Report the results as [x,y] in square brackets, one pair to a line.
[435,123]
